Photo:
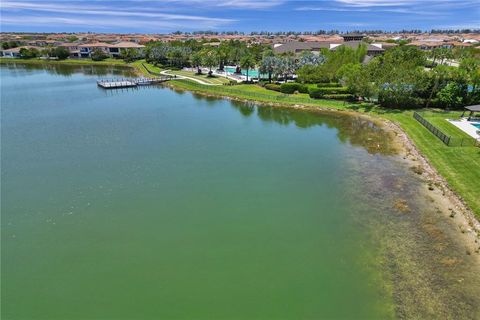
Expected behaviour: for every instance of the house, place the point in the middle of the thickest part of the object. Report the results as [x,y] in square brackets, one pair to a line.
[87,48]
[72,47]
[115,49]
[353,37]
[297,47]
[15,52]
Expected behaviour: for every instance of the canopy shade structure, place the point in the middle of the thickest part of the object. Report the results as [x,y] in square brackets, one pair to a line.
[472,109]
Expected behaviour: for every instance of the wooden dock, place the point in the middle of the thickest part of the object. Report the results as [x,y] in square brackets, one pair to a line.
[129,83]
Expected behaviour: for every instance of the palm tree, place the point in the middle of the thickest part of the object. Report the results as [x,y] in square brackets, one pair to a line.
[267,65]
[247,62]
[209,59]
[196,61]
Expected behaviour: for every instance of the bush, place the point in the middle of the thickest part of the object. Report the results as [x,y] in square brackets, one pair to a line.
[319,93]
[272,86]
[290,88]
[343,96]
[334,90]
[29,53]
[315,93]
[61,53]
[98,55]
[329,85]
[402,100]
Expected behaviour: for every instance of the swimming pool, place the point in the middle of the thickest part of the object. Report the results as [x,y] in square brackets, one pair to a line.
[477,125]
[253,73]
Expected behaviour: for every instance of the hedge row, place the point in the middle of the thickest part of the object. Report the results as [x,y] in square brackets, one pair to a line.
[329,85]
[292,87]
[272,86]
[343,96]
[331,90]
[321,93]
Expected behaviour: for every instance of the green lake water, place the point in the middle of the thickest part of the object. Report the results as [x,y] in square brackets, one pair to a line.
[156,204]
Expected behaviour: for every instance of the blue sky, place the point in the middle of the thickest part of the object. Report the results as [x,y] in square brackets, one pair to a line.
[165,16]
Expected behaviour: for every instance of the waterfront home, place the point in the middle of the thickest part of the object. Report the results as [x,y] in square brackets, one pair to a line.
[115,49]
[15,52]
[298,47]
[87,48]
[72,47]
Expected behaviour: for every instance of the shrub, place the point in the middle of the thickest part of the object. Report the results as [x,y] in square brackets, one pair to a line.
[291,87]
[61,53]
[329,85]
[334,90]
[315,93]
[29,53]
[395,99]
[343,96]
[98,55]
[272,86]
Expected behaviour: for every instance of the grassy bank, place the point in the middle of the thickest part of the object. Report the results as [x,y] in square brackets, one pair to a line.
[460,166]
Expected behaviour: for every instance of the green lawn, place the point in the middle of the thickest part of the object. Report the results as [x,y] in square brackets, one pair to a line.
[212,80]
[439,119]
[460,166]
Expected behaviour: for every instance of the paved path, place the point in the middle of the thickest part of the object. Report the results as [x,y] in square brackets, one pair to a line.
[165,72]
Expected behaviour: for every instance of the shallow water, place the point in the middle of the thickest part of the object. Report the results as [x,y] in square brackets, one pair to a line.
[151,203]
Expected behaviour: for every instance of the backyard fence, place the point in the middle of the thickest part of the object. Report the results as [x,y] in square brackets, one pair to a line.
[448,140]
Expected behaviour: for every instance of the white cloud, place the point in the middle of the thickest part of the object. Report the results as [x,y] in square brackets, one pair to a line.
[98,14]
[90,23]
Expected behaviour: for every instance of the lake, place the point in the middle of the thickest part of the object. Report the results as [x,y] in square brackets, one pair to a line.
[152,203]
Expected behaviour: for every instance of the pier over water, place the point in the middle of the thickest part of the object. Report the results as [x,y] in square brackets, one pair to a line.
[127,83]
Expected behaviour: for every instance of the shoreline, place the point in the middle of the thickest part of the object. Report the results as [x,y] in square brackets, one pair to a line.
[467,221]
[432,178]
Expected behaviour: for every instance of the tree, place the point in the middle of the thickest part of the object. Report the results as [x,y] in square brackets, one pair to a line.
[29,53]
[98,55]
[452,95]
[61,53]
[309,58]
[129,54]
[196,61]
[209,59]
[267,65]
[247,62]
[285,66]
[438,73]
[222,55]
[358,80]
[10,44]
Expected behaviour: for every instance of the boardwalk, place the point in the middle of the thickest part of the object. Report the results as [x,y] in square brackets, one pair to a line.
[128,83]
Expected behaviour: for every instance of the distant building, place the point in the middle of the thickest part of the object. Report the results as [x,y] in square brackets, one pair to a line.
[72,48]
[115,49]
[298,47]
[15,52]
[353,37]
[87,48]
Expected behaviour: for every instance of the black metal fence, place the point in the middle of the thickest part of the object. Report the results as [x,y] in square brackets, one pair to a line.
[448,140]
